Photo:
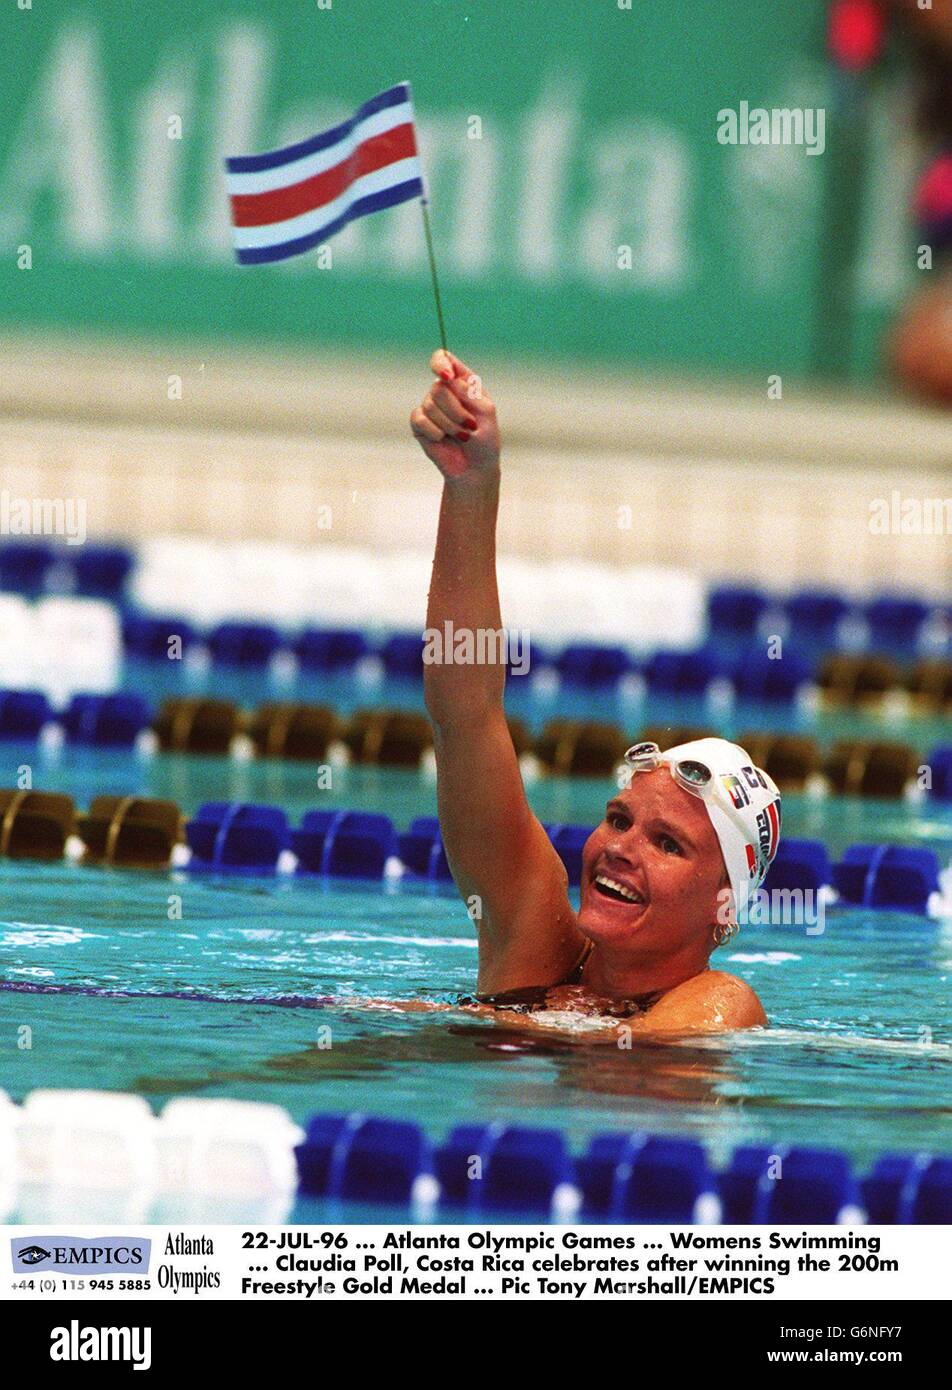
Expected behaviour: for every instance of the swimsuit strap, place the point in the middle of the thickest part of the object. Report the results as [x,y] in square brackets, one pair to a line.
[575,974]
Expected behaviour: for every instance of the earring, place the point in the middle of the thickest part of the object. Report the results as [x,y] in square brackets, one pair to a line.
[724,931]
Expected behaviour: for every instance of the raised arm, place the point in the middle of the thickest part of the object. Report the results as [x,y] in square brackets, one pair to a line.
[503,863]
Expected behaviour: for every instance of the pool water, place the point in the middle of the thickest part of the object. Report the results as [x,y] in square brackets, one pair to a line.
[231,997]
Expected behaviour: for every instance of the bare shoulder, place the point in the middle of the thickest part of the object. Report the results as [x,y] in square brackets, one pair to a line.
[709,1002]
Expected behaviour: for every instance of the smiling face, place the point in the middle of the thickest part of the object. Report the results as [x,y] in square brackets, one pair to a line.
[652,871]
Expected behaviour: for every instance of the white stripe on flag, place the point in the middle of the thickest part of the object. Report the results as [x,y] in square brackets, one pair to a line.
[248,238]
[266,180]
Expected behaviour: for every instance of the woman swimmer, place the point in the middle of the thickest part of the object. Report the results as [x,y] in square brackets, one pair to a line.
[689,835]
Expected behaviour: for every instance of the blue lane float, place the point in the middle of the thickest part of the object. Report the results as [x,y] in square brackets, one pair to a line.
[887,876]
[421,851]
[363,845]
[495,1169]
[345,844]
[235,837]
[802,865]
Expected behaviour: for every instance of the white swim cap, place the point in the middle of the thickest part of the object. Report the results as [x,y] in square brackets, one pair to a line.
[743,804]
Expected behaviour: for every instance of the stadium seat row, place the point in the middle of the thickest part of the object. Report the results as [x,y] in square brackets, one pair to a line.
[38,566]
[58,641]
[100,1146]
[237,837]
[826,618]
[281,582]
[748,670]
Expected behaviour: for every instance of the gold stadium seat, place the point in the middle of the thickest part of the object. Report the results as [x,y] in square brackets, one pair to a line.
[297,731]
[855,679]
[397,738]
[197,725]
[866,767]
[790,759]
[930,684]
[669,735]
[580,747]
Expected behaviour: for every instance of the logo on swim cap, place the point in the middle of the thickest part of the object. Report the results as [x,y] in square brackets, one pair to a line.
[768,832]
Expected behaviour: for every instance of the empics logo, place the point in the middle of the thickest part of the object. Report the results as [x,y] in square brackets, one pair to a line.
[76,1254]
[75,1343]
[33,1254]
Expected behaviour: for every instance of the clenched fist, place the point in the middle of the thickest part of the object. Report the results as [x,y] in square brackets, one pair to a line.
[456,422]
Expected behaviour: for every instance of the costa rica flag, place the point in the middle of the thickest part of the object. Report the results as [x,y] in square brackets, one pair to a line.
[288,201]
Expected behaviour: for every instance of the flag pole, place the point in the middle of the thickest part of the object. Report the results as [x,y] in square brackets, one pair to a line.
[436,287]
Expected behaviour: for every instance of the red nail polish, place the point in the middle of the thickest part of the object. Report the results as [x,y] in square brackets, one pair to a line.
[462,438]
[447,376]
[469,424]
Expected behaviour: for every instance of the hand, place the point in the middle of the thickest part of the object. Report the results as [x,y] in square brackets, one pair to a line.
[456,422]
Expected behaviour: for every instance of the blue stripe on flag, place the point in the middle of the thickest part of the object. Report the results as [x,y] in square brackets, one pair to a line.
[373,202]
[256,163]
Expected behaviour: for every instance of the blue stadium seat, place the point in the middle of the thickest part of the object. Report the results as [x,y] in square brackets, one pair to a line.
[102,570]
[757,676]
[531,659]
[815,614]
[683,673]
[814,1187]
[24,565]
[149,638]
[940,762]
[349,844]
[402,655]
[330,649]
[887,876]
[232,835]
[244,644]
[802,864]
[590,665]
[735,610]
[23,713]
[668,1178]
[894,620]
[743,1186]
[106,721]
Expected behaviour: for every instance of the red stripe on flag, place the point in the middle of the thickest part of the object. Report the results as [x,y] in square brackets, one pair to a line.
[376,152]
[774,829]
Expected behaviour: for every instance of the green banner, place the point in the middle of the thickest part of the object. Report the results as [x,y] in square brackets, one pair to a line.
[589,198]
